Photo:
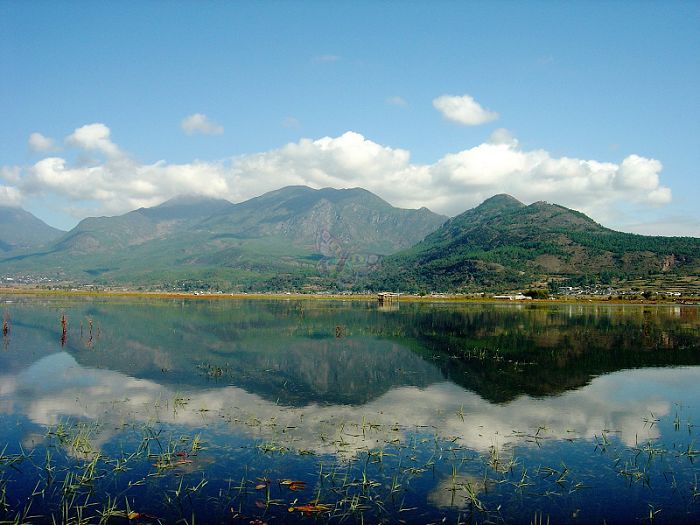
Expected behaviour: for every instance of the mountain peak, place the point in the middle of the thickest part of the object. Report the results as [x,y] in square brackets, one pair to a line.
[503,244]
[190,200]
[186,207]
[328,192]
[20,229]
[296,198]
[502,201]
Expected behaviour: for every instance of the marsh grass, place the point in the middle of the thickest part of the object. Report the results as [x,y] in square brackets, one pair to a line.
[349,472]
[161,475]
[358,472]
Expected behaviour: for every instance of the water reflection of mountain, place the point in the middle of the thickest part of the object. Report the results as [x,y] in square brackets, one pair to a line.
[283,351]
[502,352]
[57,388]
[298,352]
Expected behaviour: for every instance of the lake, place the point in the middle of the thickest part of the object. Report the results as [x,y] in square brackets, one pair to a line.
[272,411]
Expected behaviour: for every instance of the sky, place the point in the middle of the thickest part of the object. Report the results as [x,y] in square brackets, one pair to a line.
[106,107]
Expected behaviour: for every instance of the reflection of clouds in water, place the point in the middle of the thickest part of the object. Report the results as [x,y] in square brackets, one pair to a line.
[8,384]
[454,491]
[56,387]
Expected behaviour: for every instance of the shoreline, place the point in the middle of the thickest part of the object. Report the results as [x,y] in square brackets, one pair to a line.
[409,298]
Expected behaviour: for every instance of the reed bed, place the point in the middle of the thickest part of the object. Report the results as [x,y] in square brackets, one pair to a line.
[156,473]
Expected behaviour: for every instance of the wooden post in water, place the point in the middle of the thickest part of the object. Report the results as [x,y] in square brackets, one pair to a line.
[64,329]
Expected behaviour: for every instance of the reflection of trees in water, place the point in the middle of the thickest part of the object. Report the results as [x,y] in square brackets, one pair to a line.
[291,351]
[504,352]
[286,351]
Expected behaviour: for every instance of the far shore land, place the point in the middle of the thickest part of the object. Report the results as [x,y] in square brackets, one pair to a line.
[430,297]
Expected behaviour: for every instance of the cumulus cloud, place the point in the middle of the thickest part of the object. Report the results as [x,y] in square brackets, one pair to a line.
[10,179]
[463,110]
[122,186]
[94,137]
[503,136]
[41,144]
[10,196]
[11,174]
[460,180]
[198,123]
[452,184]
[638,172]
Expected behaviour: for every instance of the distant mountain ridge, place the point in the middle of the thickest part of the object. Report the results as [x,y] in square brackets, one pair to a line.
[99,234]
[502,243]
[289,237]
[19,229]
[354,217]
[299,238]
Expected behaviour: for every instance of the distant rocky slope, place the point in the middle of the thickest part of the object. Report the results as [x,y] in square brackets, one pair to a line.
[293,237]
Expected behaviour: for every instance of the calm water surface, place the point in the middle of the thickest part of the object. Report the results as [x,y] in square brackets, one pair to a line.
[305,411]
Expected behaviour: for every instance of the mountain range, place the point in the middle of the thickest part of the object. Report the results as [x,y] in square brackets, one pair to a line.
[299,238]
[504,244]
[289,238]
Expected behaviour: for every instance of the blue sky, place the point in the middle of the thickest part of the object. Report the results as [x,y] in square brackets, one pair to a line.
[109,106]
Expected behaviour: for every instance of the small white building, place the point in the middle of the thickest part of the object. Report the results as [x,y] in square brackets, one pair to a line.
[515,297]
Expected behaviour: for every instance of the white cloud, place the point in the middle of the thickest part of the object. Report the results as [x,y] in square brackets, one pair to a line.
[11,174]
[397,101]
[638,172]
[503,136]
[41,144]
[198,123]
[458,180]
[46,393]
[124,185]
[607,191]
[10,196]
[94,137]
[463,110]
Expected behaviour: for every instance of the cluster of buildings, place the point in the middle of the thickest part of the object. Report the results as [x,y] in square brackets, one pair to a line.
[594,290]
[24,279]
